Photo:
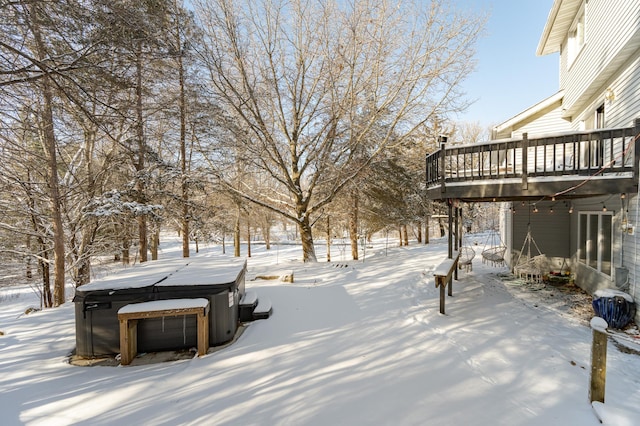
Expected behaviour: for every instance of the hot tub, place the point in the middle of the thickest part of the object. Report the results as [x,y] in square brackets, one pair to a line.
[221,280]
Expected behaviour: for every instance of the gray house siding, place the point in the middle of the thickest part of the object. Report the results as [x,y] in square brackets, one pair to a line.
[550,230]
[630,245]
[550,122]
[622,110]
[625,107]
[609,29]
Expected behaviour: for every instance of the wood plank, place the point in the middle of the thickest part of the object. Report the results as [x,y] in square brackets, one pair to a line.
[128,341]
[203,333]
[598,366]
[162,313]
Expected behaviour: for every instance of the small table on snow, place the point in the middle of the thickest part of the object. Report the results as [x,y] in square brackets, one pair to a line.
[129,315]
[443,274]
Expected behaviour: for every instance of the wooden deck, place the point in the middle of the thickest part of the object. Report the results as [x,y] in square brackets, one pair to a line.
[563,166]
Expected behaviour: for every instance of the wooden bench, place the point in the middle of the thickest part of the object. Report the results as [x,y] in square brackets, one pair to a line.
[443,274]
[129,315]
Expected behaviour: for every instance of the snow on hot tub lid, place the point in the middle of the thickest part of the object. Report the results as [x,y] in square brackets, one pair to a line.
[137,276]
[207,271]
[204,270]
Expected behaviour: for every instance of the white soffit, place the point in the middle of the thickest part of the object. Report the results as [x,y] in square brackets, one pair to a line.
[561,16]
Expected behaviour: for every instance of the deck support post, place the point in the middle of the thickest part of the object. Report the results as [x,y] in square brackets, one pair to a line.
[456,225]
[443,141]
[450,233]
[525,162]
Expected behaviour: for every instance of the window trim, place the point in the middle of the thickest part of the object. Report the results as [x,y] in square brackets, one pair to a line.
[576,36]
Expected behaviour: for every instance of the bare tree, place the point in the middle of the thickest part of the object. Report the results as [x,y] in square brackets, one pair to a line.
[470,132]
[311,82]
[27,59]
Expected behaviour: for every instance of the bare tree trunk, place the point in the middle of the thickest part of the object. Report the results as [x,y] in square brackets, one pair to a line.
[248,240]
[306,236]
[265,225]
[50,147]
[401,241]
[267,237]
[353,227]
[90,227]
[126,245]
[236,235]
[45,269]
[28,272]
[82,274]
[328,240]
[405,232]
[419,236]
[140,163]
[155,243]
[183,136]
[426,230]
[443,231]
[44,265]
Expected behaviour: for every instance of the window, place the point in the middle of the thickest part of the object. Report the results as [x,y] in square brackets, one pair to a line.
[575,37]
[595,239]
[600,124]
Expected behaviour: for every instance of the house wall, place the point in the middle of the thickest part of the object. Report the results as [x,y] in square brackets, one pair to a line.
[624,108]
[601,46]
[612,32]
[626,247]
[610,25]
[551,122]
[550,231]
[631,251]
[546,121]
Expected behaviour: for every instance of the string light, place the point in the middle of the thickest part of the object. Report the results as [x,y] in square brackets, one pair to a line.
[571,209]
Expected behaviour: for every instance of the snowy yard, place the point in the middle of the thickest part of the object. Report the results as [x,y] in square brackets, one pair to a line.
[353,343]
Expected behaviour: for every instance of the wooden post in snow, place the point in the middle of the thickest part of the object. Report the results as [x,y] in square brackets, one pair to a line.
[598,359]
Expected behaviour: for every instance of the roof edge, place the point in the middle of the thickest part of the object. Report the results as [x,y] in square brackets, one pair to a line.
[551,19]
[558,96]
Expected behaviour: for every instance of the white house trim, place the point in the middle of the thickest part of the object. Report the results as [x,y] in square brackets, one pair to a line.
[529,112]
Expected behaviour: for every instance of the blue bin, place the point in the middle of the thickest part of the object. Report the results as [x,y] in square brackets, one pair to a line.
[616,309]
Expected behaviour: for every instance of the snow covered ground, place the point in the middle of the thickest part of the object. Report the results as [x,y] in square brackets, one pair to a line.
[357,343]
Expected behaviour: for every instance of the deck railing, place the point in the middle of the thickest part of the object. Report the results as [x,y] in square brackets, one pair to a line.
[596,152]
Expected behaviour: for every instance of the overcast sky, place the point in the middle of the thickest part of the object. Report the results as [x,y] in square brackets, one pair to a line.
[509,77]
